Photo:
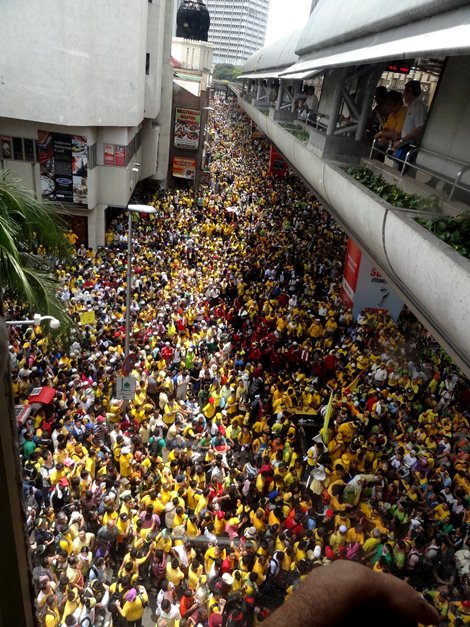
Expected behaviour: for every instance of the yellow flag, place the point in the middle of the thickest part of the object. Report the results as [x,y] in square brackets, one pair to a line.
[349,389]
[324,430]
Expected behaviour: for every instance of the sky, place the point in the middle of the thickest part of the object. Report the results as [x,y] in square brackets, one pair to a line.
[285,16]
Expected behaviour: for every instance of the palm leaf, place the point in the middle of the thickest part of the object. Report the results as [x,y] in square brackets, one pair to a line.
[26,223]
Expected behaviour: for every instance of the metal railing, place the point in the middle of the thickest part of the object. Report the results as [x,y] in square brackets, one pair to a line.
[407,163]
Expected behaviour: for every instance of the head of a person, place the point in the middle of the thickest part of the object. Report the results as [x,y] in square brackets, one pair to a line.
[412,91]
[380,94]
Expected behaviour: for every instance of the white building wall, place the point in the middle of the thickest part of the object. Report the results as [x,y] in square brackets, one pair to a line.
[156,54]
[73,63]
[194,55]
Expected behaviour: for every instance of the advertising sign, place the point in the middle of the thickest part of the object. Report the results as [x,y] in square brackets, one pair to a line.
[125,388]
[351,272]
[184,168]
[277,164]
[63,163]
[120,156]
[364,288]
[187,128]
[373,292]
[108,154]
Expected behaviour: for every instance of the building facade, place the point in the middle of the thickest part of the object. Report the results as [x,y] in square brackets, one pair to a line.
[83,117]
[191,83]
[238,28]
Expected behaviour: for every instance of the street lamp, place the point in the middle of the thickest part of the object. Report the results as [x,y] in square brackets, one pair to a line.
[131,209]
[37,319]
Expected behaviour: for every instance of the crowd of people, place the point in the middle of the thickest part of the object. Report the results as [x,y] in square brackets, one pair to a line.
[270,432]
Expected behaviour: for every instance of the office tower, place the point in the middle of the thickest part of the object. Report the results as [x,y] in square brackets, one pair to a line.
[238,28]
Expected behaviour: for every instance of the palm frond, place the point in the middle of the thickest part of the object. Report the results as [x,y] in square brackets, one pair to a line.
[25,224]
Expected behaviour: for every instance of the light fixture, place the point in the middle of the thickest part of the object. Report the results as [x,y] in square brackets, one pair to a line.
[37,319]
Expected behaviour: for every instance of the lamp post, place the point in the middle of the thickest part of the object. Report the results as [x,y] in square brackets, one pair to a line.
[131,209]
[37,319]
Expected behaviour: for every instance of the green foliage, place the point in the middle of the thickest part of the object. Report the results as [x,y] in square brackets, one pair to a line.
[25,225]
[226,72]
[301,134]
[391,192]
[453,231]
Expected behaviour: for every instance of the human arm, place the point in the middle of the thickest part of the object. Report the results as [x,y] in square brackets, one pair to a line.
[344,592]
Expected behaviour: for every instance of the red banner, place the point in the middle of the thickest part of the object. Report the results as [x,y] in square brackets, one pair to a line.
[351,272]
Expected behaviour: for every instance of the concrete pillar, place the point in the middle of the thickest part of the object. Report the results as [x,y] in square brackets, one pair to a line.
[295,85]
[280,94]
[16,593]
[97,227]
[367,100]
[338,76]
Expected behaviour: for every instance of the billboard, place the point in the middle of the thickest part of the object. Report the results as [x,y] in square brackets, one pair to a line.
[364,287]
[63,161]
[187,128]
[277,164]
[184,167]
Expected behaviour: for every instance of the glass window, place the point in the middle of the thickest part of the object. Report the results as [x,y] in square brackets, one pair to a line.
[18,153]
[29,150]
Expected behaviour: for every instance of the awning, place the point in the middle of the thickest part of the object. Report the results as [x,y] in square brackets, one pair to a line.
[272,74]
[443,35]
[188,77]
[43,395]
[301,75]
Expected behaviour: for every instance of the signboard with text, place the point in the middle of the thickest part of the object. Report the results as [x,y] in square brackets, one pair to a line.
[63,163]
[187,128]
[125,388]
[364,287]
[184,167]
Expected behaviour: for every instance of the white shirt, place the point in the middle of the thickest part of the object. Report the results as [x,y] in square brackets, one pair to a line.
[415,117]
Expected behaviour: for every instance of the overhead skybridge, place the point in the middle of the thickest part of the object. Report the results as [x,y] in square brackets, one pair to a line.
[345,56]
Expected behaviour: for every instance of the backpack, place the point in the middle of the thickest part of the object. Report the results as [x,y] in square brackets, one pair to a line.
[143,600]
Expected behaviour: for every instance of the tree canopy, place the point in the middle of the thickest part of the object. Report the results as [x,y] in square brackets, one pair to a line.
[226,72]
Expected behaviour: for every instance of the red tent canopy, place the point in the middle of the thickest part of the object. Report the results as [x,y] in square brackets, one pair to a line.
[42,395]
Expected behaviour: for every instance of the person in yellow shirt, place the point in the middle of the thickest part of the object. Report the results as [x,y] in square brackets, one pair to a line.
[126,460]
[173,573]
[212,553]
[196,575]
[135,601]
[192,529]
[258,520]
[260,567]
[51,612]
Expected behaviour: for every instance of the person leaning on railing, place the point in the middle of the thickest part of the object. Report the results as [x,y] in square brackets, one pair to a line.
[392,129]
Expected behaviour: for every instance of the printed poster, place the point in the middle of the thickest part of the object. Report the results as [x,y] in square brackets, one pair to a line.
[184,167]
[63,163]
[187,128]
[120,156]
[108,157]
